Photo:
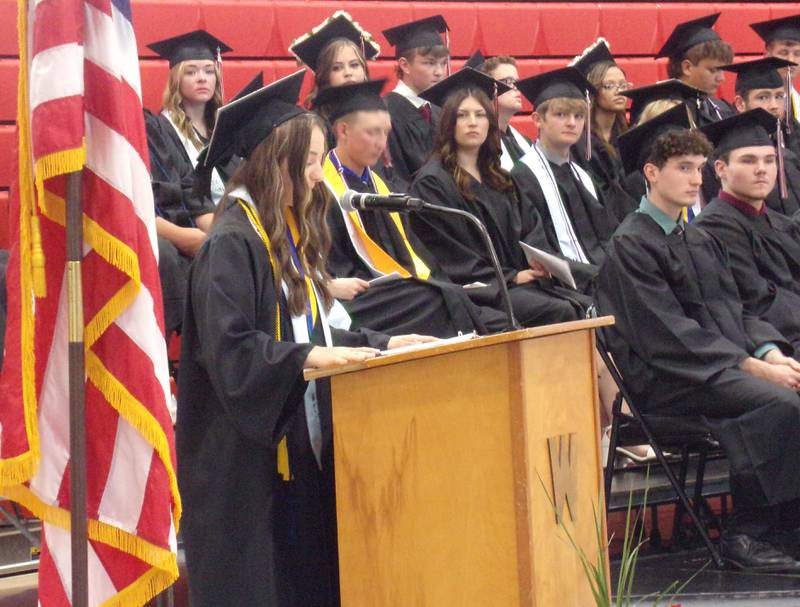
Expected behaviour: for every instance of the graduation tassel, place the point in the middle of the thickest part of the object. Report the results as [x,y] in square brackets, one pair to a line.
[363,47]
[588,126]
[447,44]
[219,65]
[784,190]
[787,101]
[496,102]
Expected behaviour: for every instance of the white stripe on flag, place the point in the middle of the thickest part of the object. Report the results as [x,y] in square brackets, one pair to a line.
[56,72]
[110,43]
[129,54]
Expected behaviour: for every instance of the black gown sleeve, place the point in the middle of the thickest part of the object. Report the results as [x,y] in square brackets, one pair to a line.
[256,378]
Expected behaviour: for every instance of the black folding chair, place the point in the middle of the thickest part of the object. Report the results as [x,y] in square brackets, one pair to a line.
[686,436]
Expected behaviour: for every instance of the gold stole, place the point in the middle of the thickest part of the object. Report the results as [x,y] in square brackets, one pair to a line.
[379,258]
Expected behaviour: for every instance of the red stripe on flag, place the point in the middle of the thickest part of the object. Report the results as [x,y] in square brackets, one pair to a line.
[56,22]
[122,568]
[154,522]
[115,103]
[51,590]
[101,5]
[101,425]
[57,125]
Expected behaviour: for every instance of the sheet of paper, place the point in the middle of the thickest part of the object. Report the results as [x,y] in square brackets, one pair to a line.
[432,344]
[475,285]
[558,267]
[385,278]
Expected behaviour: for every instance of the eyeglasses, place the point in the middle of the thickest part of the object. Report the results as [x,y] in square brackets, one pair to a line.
[616,86]
[509,82]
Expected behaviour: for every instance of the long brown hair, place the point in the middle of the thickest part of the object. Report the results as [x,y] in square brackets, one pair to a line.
[446,148]
[287,146]
[595,78]
[172,101]
[322,77]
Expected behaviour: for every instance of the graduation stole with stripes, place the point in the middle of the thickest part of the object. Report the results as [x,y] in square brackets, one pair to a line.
[252,215]
[368,249]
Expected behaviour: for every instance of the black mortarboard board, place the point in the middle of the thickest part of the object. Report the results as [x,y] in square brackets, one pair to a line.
[194,46]
[784,28]
[747,129]
[636,144]
[689,34]
[475,60]
[339,101]
[309,47]
[466,77]
[759,74]
[599,52]
[566,82]
[421,33]
[251,87]
[666,89]
[241,125]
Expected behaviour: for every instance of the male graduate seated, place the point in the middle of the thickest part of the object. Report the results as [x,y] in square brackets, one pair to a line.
[422,61]
[696,53]
[686,347]
[782,40]
[575,219]
[513,143]
[372,244]
[760,85]
[763,245]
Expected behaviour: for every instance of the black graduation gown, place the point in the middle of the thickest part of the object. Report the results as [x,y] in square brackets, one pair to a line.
[593,222]
[411,139]
[765,262]
[608,174]
[432,307]
[707,115]
[680,333]
[791,204]
[247,532]
[459,248]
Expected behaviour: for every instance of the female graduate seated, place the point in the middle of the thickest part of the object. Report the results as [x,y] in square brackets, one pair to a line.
[253,438]
[465,173]
[175,138]
[373,245]
[607,121]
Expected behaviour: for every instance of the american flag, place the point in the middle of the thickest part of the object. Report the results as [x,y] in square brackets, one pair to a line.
[80,108]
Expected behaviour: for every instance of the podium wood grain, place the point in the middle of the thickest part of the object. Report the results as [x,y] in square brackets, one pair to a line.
[442,464]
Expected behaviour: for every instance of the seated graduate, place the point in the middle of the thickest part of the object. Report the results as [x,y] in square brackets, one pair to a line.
[175,138]
[371,244]
[686,347]
[465,173]
[760,85]
[607,121]
[423,59]
[576,222]
[513,144]
[781,38]
[696,55]
[763,245]
[253,438]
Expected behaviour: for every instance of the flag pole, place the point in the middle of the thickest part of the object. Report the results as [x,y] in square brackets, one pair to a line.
[77,402]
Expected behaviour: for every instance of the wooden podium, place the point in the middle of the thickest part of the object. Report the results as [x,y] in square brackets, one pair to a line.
[445,466]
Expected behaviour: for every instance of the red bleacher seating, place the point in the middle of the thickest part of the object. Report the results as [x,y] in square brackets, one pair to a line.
[542,36]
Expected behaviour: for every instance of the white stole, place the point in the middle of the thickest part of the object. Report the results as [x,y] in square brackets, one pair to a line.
[506,161]
[795,104]
[217,186]
[568,240]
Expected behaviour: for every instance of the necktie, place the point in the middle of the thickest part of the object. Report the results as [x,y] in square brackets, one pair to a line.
[425,110]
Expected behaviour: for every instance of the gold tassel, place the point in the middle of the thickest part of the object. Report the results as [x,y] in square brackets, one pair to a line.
[283,460]
[37,258]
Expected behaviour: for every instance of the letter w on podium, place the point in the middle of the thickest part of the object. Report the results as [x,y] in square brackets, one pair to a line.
[563,457]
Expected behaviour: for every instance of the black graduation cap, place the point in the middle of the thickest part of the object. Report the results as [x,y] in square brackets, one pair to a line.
[666,89]
[759,74]
[742,130]
[309,47]
[599,52]
[194,46]
[342,100]
[421,33]
[689,34]
[466,77]
[636,144]
[784,28]
[476,60]
[241,125]
[566,82]
[251,87]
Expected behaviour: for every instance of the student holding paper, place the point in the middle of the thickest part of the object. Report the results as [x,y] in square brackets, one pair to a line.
[374,245]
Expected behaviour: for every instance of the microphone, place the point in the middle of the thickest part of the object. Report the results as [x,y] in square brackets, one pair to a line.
[356,201]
